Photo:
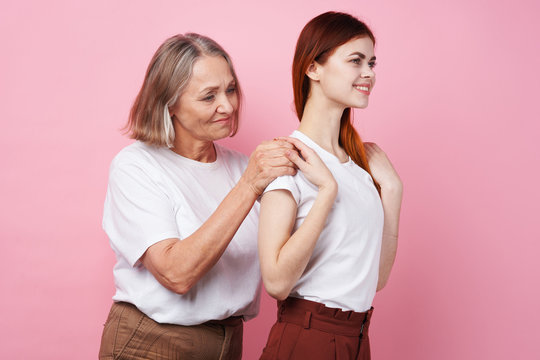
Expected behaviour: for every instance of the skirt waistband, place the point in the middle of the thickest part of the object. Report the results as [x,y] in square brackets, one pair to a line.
[311,314]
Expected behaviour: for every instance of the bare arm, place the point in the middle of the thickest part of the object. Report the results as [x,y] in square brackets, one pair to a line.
[283,256]
[178,265]
[391,195]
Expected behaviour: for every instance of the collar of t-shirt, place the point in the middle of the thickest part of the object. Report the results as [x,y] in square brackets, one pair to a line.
[323,154]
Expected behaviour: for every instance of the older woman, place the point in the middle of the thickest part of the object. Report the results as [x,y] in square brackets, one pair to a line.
[179,212]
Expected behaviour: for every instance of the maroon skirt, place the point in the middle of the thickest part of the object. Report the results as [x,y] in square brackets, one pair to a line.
[309,330]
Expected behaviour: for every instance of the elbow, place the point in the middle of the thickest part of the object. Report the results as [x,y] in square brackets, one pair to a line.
[277,289]
[278,295]
[181,288]
[183,283]
[163,265]
[382,283]
[177,282]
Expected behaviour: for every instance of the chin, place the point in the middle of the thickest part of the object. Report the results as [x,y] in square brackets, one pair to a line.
[222,134]
[360,104]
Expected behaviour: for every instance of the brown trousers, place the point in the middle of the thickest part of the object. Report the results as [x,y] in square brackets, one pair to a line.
[310,330]
[130,334]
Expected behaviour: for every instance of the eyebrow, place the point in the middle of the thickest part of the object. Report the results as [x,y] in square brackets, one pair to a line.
[214,88]
[362,56]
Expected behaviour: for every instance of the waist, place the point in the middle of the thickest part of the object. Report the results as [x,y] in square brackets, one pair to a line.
[230,321]
[311,314]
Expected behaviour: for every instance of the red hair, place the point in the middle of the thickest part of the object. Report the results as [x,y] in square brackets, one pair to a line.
[317,41]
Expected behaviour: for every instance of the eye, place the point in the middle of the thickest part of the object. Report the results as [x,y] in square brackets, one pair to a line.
[372,64]
[231,90]
[356,61]
[208,98]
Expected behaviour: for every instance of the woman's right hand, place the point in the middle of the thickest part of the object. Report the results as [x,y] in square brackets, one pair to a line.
[268,162]
[311,165]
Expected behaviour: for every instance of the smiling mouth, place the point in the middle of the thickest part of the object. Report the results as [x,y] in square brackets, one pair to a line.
[362,88]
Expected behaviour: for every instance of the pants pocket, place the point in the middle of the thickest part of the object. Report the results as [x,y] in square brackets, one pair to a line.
[119,330]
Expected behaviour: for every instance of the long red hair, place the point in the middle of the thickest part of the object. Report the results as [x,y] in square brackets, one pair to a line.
[317,41]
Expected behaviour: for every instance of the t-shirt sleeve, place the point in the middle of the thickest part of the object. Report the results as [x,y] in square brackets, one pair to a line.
[137,212]
[285,183]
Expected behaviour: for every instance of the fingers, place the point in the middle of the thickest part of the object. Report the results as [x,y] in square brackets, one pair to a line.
[275,144]
[372,147]
[297,160]
[369,150]
[305,150]
[277,161]
[271,149]
[271,153]
[373,150]
[282,171]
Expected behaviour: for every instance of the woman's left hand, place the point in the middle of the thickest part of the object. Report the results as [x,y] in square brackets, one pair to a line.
[381,168]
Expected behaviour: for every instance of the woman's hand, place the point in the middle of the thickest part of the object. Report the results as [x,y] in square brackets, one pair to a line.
[391,194]
[381,168]
[266,163]
[311,165]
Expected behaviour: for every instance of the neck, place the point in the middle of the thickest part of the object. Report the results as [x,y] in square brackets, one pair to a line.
[321,122]
[192,148]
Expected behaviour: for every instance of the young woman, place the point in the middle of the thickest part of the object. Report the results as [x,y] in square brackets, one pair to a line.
[328,235]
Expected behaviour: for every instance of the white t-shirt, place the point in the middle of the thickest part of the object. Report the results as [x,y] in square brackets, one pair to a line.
[156,194]
[344,267]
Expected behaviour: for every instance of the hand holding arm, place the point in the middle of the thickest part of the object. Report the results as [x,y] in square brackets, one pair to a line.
[178,265]
[391,195]
[283,256]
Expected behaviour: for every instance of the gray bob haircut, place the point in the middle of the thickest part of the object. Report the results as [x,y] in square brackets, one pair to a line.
[166,78]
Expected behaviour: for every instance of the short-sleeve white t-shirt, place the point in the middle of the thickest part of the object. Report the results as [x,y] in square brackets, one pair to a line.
[155,194]
[344,267]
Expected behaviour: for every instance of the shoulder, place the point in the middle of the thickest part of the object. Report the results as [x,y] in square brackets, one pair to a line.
[137,159]
[137,153]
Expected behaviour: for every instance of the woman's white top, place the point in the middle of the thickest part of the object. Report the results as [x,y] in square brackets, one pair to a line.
[344,267]
[155,194]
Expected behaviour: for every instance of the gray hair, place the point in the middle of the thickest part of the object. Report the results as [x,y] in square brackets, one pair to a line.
[166,78]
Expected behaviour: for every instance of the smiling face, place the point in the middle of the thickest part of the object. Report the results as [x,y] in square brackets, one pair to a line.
[347,77]
[205,111]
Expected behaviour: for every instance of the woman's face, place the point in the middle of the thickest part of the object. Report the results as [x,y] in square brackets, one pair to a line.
[205,110]
[347,77]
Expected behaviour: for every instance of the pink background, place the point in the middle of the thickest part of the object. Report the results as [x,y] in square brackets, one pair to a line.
[455,107]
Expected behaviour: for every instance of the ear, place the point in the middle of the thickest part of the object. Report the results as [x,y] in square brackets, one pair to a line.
[313,71]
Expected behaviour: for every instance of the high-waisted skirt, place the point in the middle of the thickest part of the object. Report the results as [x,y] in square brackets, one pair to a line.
[309,330]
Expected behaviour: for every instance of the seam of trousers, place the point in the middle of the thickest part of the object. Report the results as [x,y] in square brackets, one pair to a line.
[131,336]
[226,340]
[116,332]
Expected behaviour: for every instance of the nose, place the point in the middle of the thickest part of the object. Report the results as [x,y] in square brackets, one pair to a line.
[367,72]
[224,106]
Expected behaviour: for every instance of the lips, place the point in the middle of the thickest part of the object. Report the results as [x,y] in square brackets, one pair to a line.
[363,88]
[222,120]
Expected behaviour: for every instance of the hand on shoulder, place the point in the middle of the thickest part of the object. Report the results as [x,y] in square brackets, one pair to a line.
[267,162]
[382,169]
[311,165]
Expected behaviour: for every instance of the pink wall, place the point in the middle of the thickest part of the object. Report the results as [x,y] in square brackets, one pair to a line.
[455,107]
